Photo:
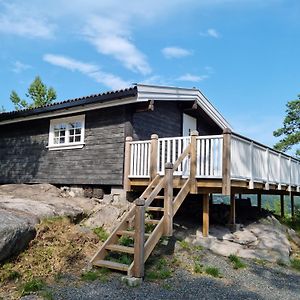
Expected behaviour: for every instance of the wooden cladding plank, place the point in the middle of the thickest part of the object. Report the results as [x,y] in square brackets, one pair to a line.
[111,265]
[120,248]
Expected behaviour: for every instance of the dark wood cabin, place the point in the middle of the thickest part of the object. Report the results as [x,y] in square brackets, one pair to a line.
[95,156]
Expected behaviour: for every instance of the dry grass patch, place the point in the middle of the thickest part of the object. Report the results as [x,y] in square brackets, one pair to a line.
[59,247]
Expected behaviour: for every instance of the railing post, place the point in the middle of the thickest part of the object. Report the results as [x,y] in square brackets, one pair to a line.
[251,183]
[279,170]
[127,162]
[267,186]
[153,156]
[226,162]
[139,238]
[168,200]
[193,161]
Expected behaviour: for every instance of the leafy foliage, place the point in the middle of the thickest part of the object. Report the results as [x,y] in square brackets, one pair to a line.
[39,94]
[290,132]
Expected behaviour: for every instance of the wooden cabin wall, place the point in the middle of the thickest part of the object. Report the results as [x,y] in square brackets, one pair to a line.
[24,157]
[166,120]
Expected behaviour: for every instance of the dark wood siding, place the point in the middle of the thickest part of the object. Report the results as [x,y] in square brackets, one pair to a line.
[165,120]
[24,157]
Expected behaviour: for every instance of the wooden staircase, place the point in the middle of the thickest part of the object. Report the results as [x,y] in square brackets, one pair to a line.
[129,246]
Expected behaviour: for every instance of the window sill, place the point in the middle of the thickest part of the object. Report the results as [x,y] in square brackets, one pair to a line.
[65,147]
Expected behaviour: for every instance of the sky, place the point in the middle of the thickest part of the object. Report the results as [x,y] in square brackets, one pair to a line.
[242,54]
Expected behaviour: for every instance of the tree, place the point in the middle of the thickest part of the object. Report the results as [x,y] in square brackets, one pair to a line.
[2,109]
[290,132]
[38,92]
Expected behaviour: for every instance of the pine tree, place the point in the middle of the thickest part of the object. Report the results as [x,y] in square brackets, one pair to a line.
[290,132]
[39,94]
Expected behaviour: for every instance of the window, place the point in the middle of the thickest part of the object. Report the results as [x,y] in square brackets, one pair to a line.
[66,133]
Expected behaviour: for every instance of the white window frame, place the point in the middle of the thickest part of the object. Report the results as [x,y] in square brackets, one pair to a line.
[66,145]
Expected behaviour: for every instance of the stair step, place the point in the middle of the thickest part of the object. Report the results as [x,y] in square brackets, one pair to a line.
[151,221]
[111,265]
[155,208]
[120,248]
[129,233]
[159,197]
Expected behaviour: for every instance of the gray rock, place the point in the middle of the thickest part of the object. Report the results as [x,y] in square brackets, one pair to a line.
[16,231]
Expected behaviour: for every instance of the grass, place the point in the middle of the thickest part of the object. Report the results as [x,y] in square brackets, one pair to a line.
[260,261]
[185,245]
[126,241]
[58,245]
[34,285]
[198,268]
[237,263]
[122,258]
[213,271]
[295,264]
[101,233]
[92,275]
[160,270]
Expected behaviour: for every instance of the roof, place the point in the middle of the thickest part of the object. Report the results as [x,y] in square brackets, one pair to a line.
[134,94]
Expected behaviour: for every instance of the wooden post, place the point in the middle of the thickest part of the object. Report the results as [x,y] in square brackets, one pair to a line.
[127,162]
[292,206]
[168,200]
[259,202]
[193,161]
[139,238]
[226,162]
[232,209]
[153,156]
[205,226]
[282,205]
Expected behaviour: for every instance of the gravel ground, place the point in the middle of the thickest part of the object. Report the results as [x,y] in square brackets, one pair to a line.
[254,282]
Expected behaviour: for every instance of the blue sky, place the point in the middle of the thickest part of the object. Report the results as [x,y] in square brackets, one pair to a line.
[242,54]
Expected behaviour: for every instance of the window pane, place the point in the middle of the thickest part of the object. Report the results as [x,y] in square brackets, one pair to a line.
[62,140]
[71,139]
[55,140]
[77,138]
[77,130]
[71,131]
[62,133]
[56,133]
[72,125]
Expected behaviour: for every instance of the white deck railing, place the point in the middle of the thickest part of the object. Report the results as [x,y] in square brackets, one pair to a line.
[249,160]
[257,163]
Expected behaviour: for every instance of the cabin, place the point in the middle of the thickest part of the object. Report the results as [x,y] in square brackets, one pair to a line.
[164,143]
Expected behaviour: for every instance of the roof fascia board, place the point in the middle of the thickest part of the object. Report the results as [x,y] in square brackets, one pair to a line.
[72,110]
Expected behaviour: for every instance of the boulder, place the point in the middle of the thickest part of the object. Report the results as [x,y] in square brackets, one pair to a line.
[16,231]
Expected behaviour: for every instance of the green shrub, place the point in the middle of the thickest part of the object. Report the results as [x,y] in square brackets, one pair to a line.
[126,241]
[101,233]
[237,263]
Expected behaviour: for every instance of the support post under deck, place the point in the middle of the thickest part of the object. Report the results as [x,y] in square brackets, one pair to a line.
[205,226]
[259,202]
[232,210]
[282,206]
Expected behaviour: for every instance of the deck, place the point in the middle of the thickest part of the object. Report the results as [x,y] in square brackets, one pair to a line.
[167,170]
[225,164]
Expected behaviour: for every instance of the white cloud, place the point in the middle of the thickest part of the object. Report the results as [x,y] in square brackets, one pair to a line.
[175,52]
[24,23]
[19,67]
[91,70]
[211,32]
[192,78]
[111,37]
